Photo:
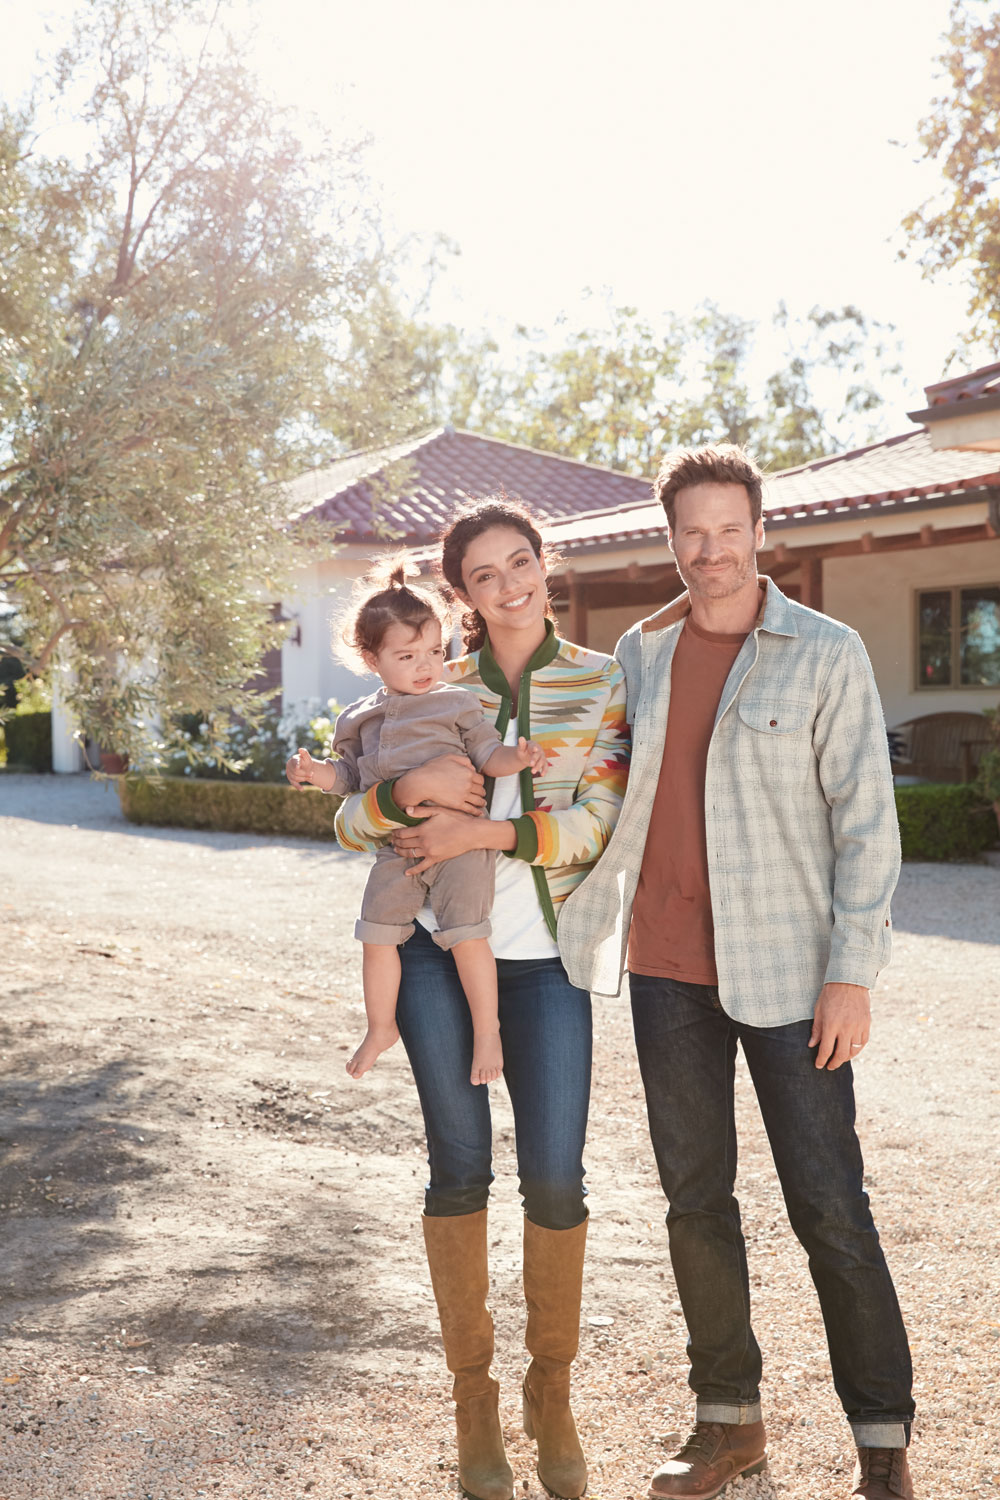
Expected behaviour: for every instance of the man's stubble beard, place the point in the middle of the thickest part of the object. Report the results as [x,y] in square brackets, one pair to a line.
[721,588]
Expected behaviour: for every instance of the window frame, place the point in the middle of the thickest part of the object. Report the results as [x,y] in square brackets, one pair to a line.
[956,685]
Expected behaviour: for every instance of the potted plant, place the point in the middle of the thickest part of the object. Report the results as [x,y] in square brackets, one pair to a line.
[988,773]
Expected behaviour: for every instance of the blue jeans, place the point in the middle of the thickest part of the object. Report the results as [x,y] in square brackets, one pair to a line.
[687,1056]
[546,1031]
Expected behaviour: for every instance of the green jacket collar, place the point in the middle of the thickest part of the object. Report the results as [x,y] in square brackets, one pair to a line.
[495,679]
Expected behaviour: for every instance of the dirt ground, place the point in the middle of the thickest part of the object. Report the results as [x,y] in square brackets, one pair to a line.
[213,1280]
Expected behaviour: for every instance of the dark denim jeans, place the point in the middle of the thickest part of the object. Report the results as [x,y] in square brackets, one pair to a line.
[687,1055]
[546,1030]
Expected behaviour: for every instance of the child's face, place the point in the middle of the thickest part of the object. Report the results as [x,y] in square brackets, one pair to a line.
[409,661]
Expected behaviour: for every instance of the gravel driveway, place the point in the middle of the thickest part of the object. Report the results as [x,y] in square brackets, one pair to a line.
[212,1268]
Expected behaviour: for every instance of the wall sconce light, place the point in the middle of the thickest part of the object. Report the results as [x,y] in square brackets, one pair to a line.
[280,618]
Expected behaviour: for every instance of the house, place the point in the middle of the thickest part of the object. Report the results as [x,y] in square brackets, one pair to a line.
[397,496]
[900,539]
[440,470]
[964,412]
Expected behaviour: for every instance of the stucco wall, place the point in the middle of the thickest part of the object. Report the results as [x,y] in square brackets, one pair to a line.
[875,594]
[308,667]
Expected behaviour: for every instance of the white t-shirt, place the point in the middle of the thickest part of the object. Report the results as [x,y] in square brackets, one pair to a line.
[519,929]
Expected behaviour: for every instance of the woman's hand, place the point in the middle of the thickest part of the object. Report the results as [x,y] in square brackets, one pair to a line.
[443,834]
[446,781]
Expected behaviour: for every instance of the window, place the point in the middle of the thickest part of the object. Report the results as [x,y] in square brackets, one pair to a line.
[958,637]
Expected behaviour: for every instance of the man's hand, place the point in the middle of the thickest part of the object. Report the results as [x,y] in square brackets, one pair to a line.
[841,1024]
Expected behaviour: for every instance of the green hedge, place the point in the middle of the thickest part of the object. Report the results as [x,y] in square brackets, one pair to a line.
[28,738]
[935,822]
[227,806]
[940,821]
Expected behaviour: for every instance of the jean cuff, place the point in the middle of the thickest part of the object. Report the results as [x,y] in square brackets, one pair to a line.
[880,1434]
[732,1416]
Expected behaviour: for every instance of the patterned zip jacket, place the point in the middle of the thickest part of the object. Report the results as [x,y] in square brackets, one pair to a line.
[572,701]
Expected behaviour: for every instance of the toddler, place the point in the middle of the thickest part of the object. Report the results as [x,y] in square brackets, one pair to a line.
[398,633]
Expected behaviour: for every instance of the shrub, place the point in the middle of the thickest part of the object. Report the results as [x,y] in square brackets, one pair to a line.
[227,806]
[253,752]
[29,741]
[943,821]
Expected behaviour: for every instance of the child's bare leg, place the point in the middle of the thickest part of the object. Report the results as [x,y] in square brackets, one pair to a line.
[381,970]
[477,970]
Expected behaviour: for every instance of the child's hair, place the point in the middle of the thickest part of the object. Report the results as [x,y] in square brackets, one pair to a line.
[382,597]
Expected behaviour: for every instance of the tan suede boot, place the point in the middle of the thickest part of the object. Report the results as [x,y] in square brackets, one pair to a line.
[456,1254]
[553,1276]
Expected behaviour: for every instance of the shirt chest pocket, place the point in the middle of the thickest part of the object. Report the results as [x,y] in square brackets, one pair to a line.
[774,737]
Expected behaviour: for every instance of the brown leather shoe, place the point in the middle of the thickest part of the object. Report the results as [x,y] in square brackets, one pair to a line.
[882,1474]
[714,1453]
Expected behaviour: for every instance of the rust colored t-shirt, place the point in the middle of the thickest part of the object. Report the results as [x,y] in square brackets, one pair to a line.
[672,935]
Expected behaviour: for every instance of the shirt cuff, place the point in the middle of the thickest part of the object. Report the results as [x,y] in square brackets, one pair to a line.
[852,970]
[387,805]
[526,833]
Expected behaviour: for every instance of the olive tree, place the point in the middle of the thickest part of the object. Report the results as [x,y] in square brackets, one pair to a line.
[179,296]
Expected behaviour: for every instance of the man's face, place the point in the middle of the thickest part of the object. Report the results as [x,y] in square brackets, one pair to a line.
[714,540]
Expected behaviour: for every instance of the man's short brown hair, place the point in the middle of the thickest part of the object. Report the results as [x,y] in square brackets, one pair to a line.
[718,463]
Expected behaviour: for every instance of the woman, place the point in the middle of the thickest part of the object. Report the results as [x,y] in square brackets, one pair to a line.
[549,833]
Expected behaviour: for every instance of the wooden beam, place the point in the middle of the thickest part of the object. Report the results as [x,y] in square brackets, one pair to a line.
[775,569]
[908,541]
[781,551]
[646,593]
[661,572]
[576,614]
[811,585]
[927,536]
[659,582]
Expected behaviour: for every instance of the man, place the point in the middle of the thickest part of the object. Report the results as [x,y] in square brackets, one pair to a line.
[749,880]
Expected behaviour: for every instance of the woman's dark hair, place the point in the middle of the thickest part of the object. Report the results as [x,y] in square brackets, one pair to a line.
[382,597]
[470,521]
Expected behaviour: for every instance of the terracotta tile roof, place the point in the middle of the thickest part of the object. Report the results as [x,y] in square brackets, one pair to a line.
[984,382]
[897,469]
[884,475]
[449,467]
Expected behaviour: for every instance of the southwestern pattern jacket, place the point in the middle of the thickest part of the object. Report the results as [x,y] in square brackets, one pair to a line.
[803,843]
[572,701]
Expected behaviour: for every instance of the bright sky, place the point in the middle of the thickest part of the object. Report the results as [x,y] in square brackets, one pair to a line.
[672,152]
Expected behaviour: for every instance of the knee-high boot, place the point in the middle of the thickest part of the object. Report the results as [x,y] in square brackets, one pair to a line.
[553,1277]
[456,1254]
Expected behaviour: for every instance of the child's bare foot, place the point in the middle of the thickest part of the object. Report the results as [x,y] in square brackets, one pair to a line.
[487,1057]
[377,1040]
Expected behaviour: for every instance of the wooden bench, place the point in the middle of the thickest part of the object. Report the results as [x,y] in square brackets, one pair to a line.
[939,747]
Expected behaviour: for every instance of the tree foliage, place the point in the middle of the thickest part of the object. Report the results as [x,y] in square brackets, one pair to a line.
[622,392]
[959,229]
[178,303]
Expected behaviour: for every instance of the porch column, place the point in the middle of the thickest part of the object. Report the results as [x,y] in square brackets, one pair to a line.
[811,587]
[576,613]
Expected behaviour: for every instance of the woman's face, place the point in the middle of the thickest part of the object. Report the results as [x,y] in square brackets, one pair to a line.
[504,580]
